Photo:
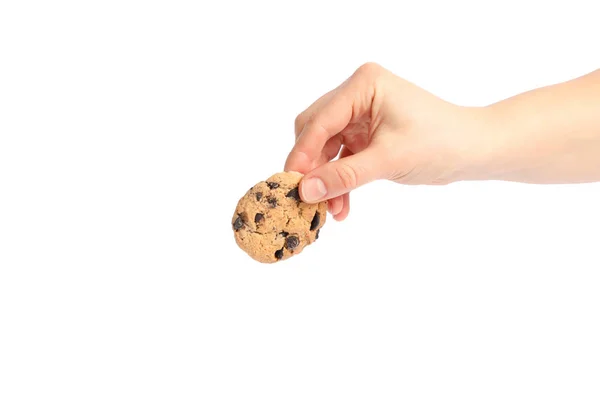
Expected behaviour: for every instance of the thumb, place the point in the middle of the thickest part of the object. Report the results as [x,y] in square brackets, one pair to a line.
[338,177]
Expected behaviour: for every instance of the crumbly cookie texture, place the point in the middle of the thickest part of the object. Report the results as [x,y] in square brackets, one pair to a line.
[271,223]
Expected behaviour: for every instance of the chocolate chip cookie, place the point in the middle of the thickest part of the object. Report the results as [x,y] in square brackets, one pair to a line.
[271,223]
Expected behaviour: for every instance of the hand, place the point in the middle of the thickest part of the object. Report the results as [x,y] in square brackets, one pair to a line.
[382,127]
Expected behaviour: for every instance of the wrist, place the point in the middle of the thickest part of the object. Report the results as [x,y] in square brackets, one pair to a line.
[483,148]
[514,141]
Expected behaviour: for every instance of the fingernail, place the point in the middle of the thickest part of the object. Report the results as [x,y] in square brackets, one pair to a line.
[313,189]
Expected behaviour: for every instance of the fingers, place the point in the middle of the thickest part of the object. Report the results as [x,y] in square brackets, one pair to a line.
[330,150]
[298,161]
[328,116]
[335,205]
[305,115]
[343,209]
[340,216]
[322,126]
[325,124]
[339,177]
[339,207]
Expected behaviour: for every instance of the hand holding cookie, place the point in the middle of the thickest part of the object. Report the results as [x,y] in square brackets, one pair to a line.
[376,125]
[382,127]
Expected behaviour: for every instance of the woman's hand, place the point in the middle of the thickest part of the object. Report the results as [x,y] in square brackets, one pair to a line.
[382,127]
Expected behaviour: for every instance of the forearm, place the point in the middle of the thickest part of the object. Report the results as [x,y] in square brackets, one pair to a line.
[547,135]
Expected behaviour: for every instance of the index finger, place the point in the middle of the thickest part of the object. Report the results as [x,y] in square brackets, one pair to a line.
[350,101]
[326,122]
[305,115]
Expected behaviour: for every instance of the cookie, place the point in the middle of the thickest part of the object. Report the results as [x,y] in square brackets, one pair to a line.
[271,223]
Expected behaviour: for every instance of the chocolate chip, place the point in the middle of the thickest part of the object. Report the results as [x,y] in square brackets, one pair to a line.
[317,235]
[272,201]
[272,185]
[238,223]
[279,254]
[258,217]
[258,196]
[283,233]
[315,221]
[294,194]
[291,242]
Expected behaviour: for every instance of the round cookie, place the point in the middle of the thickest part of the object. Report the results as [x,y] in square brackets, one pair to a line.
[271,223]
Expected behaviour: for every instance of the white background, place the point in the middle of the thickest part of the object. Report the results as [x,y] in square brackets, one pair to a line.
[128,131]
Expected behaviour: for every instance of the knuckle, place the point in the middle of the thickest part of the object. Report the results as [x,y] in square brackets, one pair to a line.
[347,176]
[317,128]
[369,70]
[299,122]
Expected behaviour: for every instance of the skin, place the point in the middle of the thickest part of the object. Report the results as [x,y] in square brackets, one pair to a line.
[376,125]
